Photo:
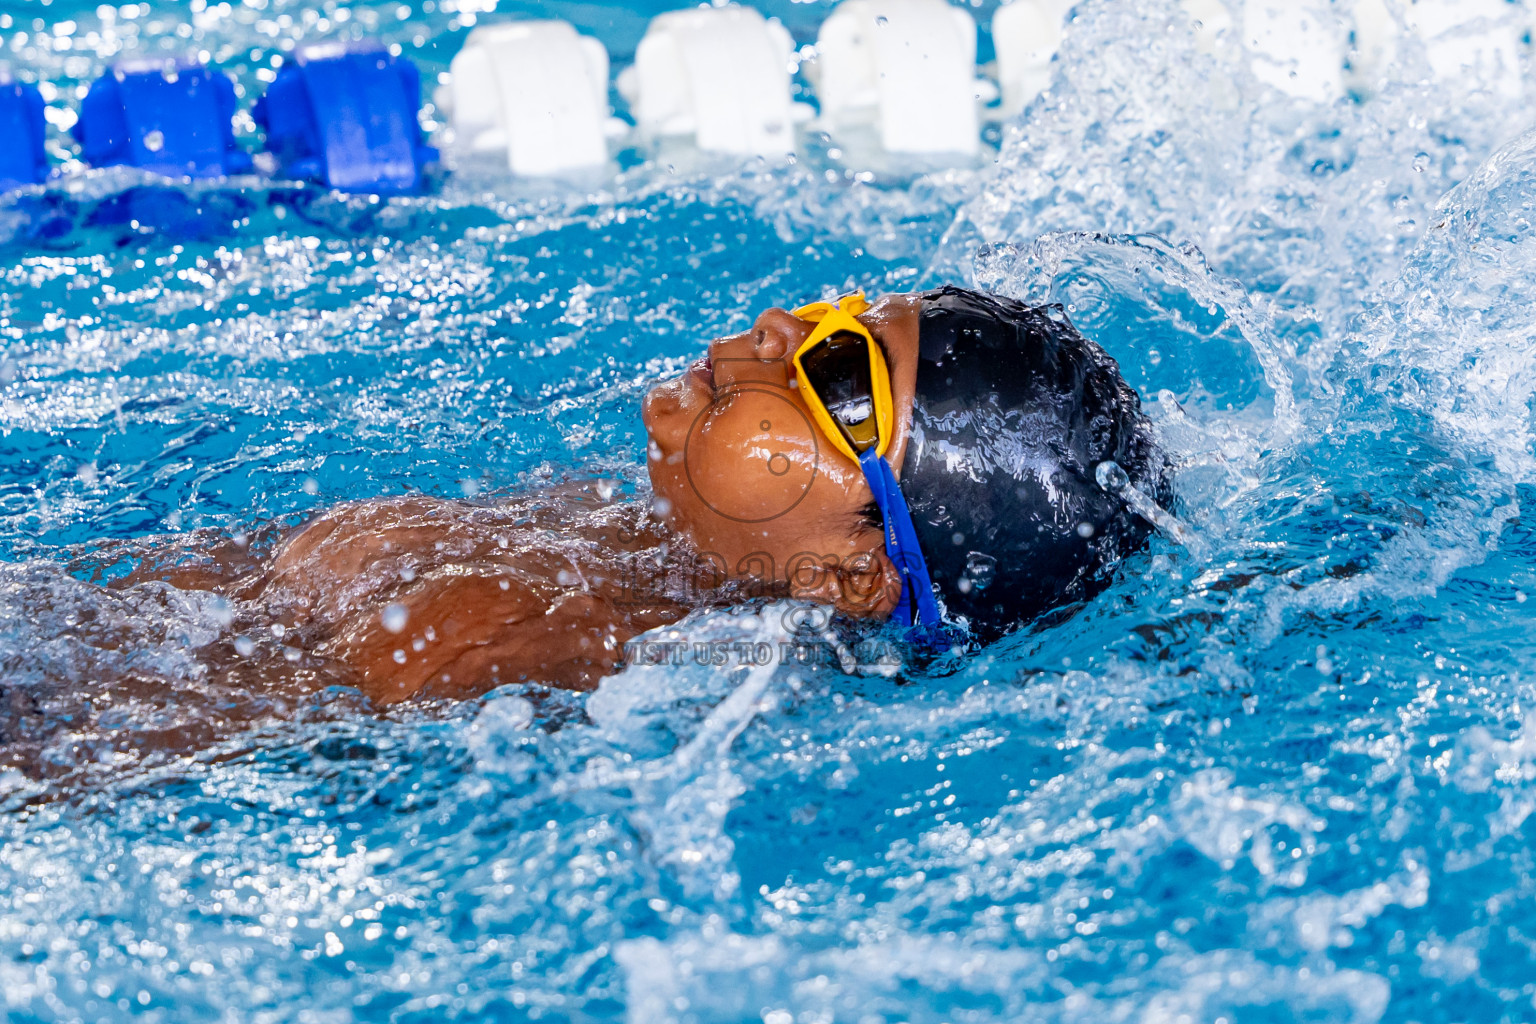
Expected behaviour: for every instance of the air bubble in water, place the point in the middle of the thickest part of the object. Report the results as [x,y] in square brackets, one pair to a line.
[980,571]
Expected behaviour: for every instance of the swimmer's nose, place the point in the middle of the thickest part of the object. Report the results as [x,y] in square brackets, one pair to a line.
[774,337]
[778,333]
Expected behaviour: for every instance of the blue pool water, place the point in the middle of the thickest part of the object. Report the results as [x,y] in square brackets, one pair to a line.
[1285,773]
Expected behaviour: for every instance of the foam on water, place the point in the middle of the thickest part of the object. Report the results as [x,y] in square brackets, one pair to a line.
[1286,773]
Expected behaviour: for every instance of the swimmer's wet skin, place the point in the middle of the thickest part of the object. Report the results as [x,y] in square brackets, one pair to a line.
[992,419]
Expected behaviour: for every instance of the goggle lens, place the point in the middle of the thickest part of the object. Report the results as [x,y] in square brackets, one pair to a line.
[837,370]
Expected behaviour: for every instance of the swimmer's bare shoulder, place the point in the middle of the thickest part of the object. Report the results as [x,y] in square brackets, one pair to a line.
[425,596]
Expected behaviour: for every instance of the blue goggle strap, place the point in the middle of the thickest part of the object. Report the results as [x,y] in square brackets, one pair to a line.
[917,605]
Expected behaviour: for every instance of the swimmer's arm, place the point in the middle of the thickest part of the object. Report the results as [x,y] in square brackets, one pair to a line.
[201,560]
[466,631]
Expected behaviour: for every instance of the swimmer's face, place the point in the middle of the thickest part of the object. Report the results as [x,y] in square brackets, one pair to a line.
[739,467]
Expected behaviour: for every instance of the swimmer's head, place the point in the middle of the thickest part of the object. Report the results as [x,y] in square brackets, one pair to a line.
[1014,413]
[739,467]
[1002,415]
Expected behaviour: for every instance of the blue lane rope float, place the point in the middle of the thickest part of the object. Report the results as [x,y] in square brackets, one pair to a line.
[347,117]
[174,119]
[23,158]
[341,114]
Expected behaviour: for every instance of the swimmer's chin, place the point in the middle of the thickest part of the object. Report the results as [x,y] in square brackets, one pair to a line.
[672,398]
[663,399]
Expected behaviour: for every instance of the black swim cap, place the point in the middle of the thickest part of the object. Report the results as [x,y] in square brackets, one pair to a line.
[1014,412]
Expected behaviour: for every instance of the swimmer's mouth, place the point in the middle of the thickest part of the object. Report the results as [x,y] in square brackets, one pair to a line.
[704,370]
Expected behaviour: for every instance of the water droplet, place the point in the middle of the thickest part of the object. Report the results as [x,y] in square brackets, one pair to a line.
[1085,530]
[399,657]
[1111,476]
[395,616]
[311,485]
[154,141]
[244,646]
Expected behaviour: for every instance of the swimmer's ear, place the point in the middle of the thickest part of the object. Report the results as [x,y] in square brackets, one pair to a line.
[889,584]
[867,585]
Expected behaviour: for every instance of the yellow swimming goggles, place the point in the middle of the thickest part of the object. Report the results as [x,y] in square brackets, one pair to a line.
[844,379]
